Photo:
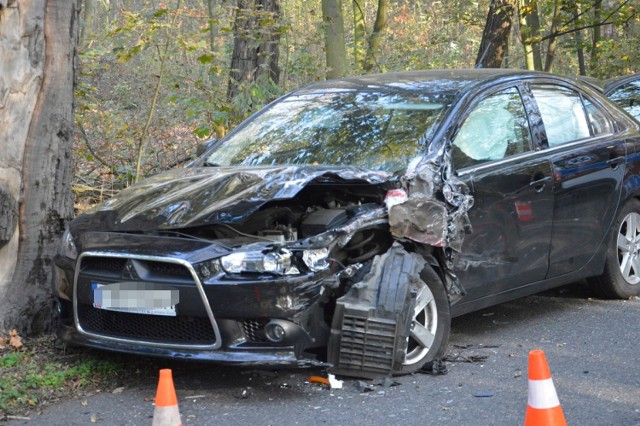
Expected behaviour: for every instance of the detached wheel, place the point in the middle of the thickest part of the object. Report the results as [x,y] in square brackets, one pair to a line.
[621,276]
[430,324]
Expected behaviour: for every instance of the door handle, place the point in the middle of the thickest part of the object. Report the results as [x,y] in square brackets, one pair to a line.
[615,162]
[541,181]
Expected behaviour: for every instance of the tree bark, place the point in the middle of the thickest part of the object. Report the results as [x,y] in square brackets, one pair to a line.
[335,50]
[375,39]
[255,45]
[359,34]
[530,30]
[553,41]
[37,61]
[596,35]
[495,37]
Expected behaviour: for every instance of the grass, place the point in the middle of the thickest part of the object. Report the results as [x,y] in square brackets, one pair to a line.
[39,373]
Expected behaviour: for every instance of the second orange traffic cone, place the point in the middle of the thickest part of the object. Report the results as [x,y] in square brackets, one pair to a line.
[543,405]
[166,412]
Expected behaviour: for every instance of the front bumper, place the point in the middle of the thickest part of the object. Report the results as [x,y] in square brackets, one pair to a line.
[219,319]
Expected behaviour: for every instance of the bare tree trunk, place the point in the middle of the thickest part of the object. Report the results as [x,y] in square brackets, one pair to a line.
[376,36]
[37,53]
[530,30]
[335,50]
[553,41]
[596,35]
[255,46]
[88,21]
[575,10]
[359,34]
[495,37]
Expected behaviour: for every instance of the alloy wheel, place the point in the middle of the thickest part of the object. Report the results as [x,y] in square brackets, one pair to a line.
[629,248]
[423,327]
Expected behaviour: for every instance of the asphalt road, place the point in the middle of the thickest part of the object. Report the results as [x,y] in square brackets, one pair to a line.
[592,347]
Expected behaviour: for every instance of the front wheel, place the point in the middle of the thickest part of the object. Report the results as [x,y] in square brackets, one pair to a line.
[430,324]
[621,276]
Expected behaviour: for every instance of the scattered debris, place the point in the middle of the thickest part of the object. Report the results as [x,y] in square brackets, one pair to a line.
[437,367]
[318,379]
[334,383]
[118,390]
[483,394]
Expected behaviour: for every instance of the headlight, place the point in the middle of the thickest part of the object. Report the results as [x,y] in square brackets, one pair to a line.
[255,261]
[68,246]
[316,260]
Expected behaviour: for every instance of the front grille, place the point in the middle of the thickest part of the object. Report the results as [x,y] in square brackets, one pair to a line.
[108,264]
[254,330]
[367,344]
[167,270]
[150,328]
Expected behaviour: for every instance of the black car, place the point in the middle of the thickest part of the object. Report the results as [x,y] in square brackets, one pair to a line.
[625,91]
[346,223]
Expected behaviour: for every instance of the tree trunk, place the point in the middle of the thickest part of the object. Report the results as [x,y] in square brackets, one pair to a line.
[553,41]
[575,10]
[37,53]
[359,34]
[376,36]
[88,22]
[596,35]
[495,37]
[530,30]
[335,51]
[255,45]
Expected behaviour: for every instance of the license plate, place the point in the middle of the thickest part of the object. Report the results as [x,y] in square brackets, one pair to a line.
[136,298]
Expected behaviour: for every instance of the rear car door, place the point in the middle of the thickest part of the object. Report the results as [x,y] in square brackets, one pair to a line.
[588,167]
[511,184]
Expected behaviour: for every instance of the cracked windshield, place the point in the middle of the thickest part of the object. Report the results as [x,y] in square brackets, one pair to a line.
[373,130]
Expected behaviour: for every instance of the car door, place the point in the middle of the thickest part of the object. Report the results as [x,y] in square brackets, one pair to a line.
[492,151]
[588,167]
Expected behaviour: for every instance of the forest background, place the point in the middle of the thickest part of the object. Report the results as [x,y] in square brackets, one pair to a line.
[158,77]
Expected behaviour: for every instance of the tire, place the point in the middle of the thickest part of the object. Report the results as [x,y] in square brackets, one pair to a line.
[430,324]
[621,276]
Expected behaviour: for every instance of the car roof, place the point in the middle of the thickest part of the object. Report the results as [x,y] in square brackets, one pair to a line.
[614,83]
[450,79]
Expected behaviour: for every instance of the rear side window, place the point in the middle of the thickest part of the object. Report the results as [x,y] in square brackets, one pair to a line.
[563,114]
[495,128]
[628,97]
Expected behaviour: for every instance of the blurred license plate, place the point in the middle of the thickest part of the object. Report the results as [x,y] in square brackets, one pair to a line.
[135,298]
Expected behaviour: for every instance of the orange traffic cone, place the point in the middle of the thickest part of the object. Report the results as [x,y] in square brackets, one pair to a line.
[543,406]
[166,412]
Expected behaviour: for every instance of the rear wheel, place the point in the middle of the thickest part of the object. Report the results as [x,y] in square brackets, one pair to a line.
[621,276]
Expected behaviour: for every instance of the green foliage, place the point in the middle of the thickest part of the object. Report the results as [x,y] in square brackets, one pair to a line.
[119,67]
[28,379]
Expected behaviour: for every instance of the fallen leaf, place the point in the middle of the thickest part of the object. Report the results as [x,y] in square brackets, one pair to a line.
[15,340]
[84,402]
[118,390]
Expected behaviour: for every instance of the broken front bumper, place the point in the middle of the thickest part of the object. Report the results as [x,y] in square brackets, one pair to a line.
[264,320]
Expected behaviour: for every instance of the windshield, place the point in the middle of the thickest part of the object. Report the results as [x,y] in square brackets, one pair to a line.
[369,129]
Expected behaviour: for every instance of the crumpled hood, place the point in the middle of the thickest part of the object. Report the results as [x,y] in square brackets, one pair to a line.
[189,197]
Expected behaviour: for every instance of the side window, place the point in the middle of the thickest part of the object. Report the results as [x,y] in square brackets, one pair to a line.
[628,97]
[496,128]
[600,124]
[562,113]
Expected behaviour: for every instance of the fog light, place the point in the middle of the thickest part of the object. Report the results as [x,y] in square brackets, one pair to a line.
[274,332]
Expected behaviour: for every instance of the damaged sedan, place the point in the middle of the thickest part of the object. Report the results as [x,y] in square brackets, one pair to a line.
[346,223]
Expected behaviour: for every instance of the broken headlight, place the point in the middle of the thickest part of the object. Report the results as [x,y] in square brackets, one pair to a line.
[275,262]
[68,246]
[316,260]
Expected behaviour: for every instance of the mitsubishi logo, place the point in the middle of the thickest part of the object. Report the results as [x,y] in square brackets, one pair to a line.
[129,271]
